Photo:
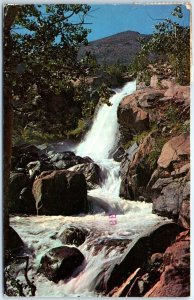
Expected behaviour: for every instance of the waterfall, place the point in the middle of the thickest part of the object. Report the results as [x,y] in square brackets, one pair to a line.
[101,138]
[98,144]
[101,248]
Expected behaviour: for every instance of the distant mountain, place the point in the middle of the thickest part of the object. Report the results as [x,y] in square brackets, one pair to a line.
[121,47]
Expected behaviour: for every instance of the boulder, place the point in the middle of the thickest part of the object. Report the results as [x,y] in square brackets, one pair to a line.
[66,160]
[68,155]
[175,280]
[27,201]
[73,236]
[92,173]
[35,168]
[18,181]
[24,154]
[60,193]
[15,243]
[178,148]
[133,112]
[136,172]
[171,198]
[157,239]
[60,263]
[108,245]
[177,91]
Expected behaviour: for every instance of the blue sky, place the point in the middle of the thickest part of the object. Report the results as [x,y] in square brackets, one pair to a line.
[111,19]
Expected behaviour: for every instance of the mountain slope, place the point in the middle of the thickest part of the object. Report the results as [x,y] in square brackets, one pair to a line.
[121,47]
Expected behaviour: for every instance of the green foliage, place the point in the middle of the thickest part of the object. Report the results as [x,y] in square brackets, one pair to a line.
[104,94]
[172,114]
[156,151]
[176,123]
[41,43]
[116,71]
[78,131]
[172,40]
[139,137]
[139,68]
[42,47]
[185,127]
[34,136]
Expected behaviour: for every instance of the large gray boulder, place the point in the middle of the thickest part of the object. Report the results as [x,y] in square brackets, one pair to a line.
[60,192]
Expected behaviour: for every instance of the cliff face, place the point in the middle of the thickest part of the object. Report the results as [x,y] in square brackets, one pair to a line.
[155,167]
[157,122]
[121,47]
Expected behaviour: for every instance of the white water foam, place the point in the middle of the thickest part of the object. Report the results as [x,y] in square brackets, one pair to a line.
[130,217]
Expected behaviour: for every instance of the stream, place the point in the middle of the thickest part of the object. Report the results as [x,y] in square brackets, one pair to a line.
[110,219]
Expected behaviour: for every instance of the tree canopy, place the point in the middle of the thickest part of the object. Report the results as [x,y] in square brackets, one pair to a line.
[173,40]
[41,46]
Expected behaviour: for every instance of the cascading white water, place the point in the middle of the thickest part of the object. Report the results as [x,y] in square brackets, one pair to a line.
[101,138]
[130,218]
[98,144]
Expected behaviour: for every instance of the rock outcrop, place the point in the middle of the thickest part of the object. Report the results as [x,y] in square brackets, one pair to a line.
[73,236]
[170,194]
[175,279]
[60,193]
[60,263]
[139,251]
[52,182]
[175,150]
[92,173]
[159,169]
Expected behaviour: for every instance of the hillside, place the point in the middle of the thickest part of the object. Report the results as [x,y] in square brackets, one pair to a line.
[121,47]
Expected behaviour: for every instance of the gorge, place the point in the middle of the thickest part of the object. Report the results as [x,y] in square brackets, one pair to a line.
[105,236]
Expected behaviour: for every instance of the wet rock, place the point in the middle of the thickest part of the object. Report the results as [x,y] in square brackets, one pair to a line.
[66,160]
[68,155]
[35,168]
[136,174]
[73,236]
[63,164]
[131,151]
[175,280]
[110,244]
[178,148]
[24,154]
[118,154]
[27,201]
[15,243]
[136,255]
[60,263]
[92,173]
[17,182]
[60,193]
